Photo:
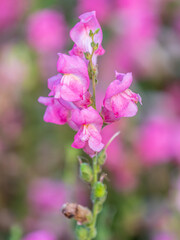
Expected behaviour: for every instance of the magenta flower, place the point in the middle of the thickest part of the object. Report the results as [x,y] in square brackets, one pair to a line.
[46,30]
[40,235]
[75,81]
[88,136]
[80,34]
[119,100]
[55,112]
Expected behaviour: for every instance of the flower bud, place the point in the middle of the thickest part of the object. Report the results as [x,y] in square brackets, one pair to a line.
[86,172]
[97,30]
[99,190]
[93,44]
[87,55]
[96,46]
[102,157]
[81,214]
[82,232]
[91,34]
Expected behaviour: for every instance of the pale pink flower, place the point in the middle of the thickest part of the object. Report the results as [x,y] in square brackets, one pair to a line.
[40,235]
[75,81]
[119,100]
[46,30]
[88,136]
[80,35]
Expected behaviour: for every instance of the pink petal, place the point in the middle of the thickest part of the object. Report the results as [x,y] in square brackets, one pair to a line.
[78,143]
[55,111]
[45,100]
[122,82]
[87,116]
[54,81]
[88,150]
[80,32]
[76,51]
[95,139]
[123,107]
[85,102]
[71,88]
[73,65]
[108,116]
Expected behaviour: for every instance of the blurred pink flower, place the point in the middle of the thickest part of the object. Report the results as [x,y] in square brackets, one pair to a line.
[40,235]
[153,140]
[75,81]
[88,136]
[47,195]
[102,8]
[46,30]
[137,25]
[175,140]
[163,236]
[119,100]
[10,12]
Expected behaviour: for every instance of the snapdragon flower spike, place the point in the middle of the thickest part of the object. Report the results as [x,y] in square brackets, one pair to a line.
[119,100]
[75,81]
[80,35]
[88,136]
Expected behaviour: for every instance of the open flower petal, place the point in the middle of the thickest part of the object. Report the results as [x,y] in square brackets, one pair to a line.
[80,32]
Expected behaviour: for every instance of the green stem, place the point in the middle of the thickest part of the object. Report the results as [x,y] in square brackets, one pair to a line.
[94,201]
[93,79]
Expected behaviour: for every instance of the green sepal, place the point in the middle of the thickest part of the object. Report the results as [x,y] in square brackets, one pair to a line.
[102,157]
[96,46]
[93,44]
[86,172]
[87,55]
[99,190]
[91,34]
[82,232]
[90,71]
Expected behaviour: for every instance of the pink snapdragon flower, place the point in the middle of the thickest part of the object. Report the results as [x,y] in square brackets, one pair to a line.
[75,81]
[46,30]
[119,100]
[80,35]
[40,235]
[88,136]
[58,111]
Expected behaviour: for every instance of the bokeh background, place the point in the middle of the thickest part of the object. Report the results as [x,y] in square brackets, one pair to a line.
[39,169]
